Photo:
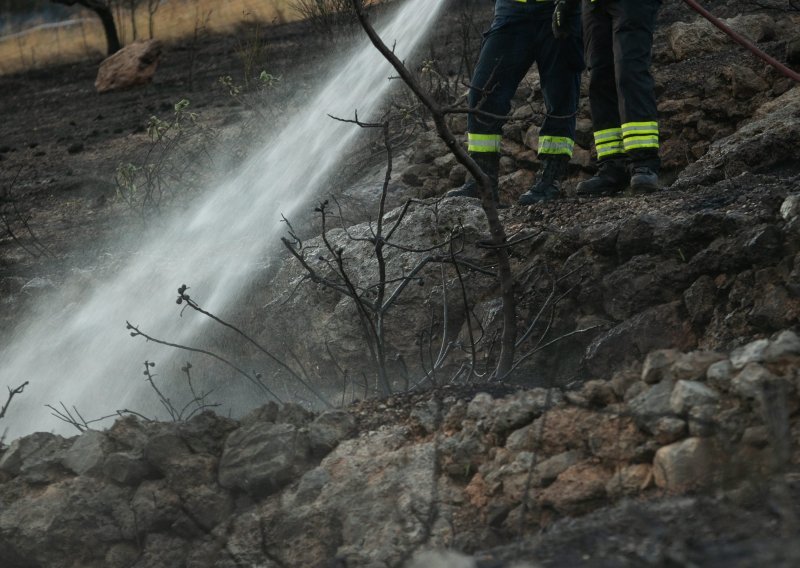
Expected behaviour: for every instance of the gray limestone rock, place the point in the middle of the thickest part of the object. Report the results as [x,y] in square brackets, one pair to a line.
[87,454]
[652,405]
[786,345]
[688,394]
[262,458]
[749,383]
[328,429]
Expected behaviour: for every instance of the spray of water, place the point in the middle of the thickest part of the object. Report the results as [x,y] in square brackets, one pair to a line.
[85,356]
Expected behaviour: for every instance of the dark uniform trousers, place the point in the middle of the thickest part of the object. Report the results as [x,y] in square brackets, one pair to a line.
[521,35]
[619,41]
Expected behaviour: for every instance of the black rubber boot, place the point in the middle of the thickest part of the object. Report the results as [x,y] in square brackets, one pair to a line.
[644,176]
[612,177]
[548,184]
[489,162]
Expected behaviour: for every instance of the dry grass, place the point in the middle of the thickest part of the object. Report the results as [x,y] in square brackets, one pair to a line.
[176,19]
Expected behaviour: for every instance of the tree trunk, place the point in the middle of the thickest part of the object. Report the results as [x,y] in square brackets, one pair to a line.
[103,11]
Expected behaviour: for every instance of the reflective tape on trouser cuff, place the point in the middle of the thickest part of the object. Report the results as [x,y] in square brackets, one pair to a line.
[484,143]
[608,142]
[556,146]
[639,135]
[610,149]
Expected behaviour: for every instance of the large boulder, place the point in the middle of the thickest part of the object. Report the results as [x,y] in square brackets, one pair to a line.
[131,66]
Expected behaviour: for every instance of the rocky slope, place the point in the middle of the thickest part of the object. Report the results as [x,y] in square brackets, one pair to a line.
[661,429]
[378,483]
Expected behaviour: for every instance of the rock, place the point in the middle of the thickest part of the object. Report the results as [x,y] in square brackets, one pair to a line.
[699,300]
[126,468]
[686,465]
[720,374]
[598,393]
[765,244]
[516,411]
[699,36]
[569,428]
[692,366]
[652,405]
[657,363]
[133,65]
[153,505]
[37,458]
[630,480]
[87,454]
[667,429]
[688,394]
[745,82]
[701,421]
[578,489]
[753,352]
[311,484]
[749,383]
[444,559]
[414,174]
[70,522]
[457,175]
[756,436]
[547,471]
[761,145]
[165,450]
[658,327]
[790,208]
[480,407]
[265,413]
[262,458]
[785,346]
[329,429]
[773,305]
[208,506]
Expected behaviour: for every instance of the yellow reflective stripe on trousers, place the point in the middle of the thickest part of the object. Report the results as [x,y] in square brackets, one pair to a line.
[639,128]
[637,135]
[612,134]
[609,149]
[483,142]
[608,142]
[556,145]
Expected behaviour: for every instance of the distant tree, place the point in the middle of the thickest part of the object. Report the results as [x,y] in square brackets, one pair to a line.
[103,10]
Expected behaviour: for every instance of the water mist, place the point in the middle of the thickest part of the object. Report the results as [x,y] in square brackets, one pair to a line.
[83,355]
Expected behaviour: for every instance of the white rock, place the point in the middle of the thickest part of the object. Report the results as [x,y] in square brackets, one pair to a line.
[790,209]
[787,344]
[751,353]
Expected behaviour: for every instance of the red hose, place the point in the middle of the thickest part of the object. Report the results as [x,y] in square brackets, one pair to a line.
[744,42]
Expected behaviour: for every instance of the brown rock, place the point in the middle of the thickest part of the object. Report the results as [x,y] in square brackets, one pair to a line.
[577,489]
[131,66]
[630,480]
[686,465]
